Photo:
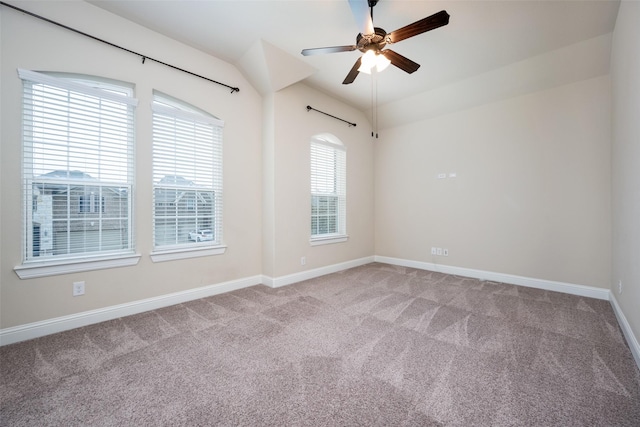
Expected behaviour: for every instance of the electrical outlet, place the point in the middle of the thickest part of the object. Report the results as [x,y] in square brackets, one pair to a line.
[445,252]
[303,260]
[78,289]
[438,251]
[619,286]
[433,251]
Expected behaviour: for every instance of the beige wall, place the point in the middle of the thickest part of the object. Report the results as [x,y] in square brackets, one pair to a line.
[625,76]
[33,44]
[294,127]
[532,192]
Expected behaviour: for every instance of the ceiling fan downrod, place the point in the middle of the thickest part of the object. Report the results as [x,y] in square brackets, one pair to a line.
[372,3]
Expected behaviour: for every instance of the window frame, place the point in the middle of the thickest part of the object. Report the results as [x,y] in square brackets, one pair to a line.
[165,109]
[321,146]
[102,91]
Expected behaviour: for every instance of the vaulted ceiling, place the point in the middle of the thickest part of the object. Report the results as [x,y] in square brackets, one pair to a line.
[489,50]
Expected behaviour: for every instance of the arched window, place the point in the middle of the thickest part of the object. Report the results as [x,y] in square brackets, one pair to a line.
[187,175]
[78,166]
[328,189]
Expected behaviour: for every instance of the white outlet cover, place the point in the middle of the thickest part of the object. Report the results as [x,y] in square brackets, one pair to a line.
[78,289]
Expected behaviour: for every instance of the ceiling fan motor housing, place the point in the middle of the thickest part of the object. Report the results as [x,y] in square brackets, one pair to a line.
[376,41]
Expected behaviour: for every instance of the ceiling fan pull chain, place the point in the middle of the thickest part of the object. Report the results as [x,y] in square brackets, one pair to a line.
[375,78]
[374,104]
[373,122]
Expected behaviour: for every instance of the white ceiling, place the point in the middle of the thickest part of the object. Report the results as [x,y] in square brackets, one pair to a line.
[481,36]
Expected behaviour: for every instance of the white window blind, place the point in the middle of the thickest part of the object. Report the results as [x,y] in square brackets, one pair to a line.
[77,167]
[187,175]
[328,189]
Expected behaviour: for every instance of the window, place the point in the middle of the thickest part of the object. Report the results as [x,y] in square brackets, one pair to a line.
[328,189]
[77,167]
[91,204]
[187,176]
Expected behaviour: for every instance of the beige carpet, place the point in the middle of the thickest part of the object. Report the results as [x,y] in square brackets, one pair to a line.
[376,345]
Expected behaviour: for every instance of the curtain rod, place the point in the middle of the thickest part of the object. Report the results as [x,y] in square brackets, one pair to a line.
[144,57]
[309,108]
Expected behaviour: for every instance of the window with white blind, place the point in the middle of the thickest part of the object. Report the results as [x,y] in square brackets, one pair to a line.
[78,167]
[187,176]
[328,189]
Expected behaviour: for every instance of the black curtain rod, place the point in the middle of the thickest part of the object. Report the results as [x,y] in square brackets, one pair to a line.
[144,57]
[309,108]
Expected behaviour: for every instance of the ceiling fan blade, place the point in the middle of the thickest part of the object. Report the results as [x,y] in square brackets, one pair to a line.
[360,11]
[331,49]
[353,73]
[422,26]
[400,61]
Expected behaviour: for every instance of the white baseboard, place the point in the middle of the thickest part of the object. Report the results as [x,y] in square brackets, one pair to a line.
[317,272]
[60,324]
[567,288]
[65,323]
[634,346]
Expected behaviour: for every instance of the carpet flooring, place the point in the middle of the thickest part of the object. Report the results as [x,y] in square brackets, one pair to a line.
[376,345]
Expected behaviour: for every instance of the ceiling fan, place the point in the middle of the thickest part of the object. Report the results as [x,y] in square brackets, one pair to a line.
[372,40]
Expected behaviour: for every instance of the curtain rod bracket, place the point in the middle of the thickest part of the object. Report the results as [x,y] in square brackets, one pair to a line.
[309,108]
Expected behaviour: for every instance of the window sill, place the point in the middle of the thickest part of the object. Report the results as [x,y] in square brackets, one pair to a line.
[329,239]
[174,254]
[31,270]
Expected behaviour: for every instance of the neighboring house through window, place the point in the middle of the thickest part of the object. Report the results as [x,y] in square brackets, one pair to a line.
[77,166]
[187,175]
[91,203]
[328,189]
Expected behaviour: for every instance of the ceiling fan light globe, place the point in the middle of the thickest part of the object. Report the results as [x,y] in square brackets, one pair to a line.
[364,69]
[369,59]
[382,62]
